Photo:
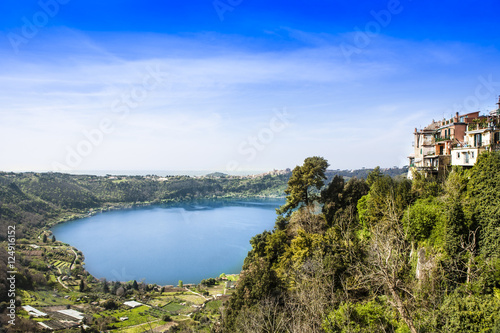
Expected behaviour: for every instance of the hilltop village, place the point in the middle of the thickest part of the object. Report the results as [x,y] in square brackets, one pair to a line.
[455,141]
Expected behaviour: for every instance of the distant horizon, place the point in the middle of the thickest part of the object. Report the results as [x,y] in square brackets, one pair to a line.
[178,172]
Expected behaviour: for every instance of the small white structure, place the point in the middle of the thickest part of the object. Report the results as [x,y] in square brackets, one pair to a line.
[123,318]
[78,316]
[465,156]
[34,312]
[132,304]
[45,326]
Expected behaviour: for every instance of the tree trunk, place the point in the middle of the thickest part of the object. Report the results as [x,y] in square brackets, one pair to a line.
[469,267]
[402,310]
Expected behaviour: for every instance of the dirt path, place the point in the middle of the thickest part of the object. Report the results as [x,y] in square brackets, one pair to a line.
[138,325]
[74,259]
[71,266]
[59,280]
[206,299]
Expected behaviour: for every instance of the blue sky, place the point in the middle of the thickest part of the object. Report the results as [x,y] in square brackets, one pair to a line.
[234,85]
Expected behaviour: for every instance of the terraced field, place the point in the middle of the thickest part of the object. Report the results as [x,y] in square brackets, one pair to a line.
[60,264]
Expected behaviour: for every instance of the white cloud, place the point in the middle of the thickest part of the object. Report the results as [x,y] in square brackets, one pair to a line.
[214,96]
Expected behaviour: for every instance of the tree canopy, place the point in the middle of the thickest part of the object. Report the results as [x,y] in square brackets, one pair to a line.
[304,184]
[381,255]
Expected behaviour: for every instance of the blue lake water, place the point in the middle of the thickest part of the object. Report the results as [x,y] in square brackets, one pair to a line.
[165,244]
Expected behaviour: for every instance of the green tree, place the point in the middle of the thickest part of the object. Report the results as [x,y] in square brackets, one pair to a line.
[386,195]
[483,206]
[424,185]
[258,282]
[181,284]
[339,197]
[368,317]
[104,286]
[301,185]
[462,313]
[373,176]
[53,238]
[114,287]
[44,238]
[422,217]
[331,197]
[110,304]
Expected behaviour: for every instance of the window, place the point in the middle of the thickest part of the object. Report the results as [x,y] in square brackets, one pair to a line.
[458,155]
[420,151]
[472,154]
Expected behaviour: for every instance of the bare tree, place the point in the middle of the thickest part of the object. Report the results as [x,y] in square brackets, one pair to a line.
[310,298]
[307,219]
[469,247]
[388,261]
[267,317]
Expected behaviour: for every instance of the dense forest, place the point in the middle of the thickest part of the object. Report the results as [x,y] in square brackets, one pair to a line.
[377,255]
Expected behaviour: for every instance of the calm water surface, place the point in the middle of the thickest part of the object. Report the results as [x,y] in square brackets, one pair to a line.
[165,244]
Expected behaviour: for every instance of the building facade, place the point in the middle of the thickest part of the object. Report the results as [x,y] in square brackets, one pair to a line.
[455,141]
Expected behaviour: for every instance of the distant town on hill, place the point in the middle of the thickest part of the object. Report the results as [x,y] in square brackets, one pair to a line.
[346,173]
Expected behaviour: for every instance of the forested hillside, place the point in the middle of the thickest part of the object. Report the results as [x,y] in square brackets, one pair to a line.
[31,200]
[376,255]
[34,199]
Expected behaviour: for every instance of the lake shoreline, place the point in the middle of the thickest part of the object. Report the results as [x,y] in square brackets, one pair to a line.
[72,216]
[191,212]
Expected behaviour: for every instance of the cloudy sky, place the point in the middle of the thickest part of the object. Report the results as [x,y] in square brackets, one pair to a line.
[234,85]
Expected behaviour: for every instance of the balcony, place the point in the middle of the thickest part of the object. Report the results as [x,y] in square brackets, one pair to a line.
[430,170]
[478,125]
[438,140]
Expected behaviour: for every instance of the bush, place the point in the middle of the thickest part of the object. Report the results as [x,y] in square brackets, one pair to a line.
[366,317]
[110,305]
[422,217]
[470,313]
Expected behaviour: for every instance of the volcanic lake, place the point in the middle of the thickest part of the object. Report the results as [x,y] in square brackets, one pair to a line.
[167,243]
